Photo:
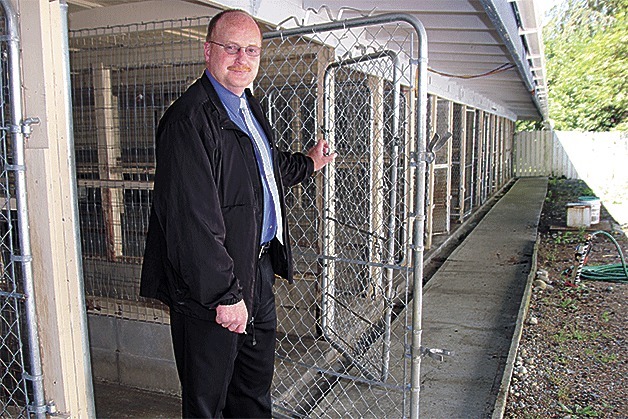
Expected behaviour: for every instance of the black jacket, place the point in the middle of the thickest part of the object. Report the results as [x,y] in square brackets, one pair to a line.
[206,218]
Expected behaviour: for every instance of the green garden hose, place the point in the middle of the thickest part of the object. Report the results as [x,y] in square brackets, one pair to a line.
[616,272]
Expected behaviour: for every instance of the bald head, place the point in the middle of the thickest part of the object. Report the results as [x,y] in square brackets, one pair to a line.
[228,18]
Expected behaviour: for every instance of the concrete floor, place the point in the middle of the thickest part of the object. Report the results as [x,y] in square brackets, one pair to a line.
[470,306]
[114,401]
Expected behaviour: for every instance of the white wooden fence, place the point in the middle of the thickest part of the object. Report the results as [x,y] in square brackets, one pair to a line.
[598,158]
[575,155]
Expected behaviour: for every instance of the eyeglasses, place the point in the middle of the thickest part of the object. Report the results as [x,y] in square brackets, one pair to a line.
[233,49]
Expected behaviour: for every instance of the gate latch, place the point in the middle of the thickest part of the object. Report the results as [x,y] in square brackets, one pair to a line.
[436,143]
[436,354]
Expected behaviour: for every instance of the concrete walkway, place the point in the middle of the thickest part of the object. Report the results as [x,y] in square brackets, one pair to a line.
[470,306]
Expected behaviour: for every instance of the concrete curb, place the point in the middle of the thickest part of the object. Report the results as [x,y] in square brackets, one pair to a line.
[502,395]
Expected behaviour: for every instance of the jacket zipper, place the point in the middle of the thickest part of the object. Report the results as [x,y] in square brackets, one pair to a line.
[252,323]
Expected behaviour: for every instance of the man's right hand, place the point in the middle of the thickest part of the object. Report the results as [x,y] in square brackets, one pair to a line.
[233,317]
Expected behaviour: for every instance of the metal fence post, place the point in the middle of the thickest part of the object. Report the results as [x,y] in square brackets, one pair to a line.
[419,222]
[20,129]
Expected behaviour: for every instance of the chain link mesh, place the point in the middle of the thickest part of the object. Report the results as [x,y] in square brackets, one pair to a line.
[123,79]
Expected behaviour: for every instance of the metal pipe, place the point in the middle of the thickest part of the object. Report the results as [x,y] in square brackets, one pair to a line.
[19,130]
[12,296]
[390,259]
[73,195]
[419,221]
[327,285]
[346,24]
[271,107]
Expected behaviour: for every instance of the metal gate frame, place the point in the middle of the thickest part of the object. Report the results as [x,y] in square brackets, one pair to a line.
[327,282]
[17,295]
[418,162]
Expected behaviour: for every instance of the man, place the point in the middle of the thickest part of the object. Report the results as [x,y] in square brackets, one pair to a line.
[218,232]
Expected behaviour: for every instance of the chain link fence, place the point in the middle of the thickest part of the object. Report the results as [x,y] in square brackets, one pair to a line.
[345,326]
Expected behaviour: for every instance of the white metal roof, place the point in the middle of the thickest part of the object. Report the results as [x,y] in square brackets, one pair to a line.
[485,53]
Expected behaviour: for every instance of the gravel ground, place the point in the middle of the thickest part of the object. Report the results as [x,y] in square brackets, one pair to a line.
[572,360]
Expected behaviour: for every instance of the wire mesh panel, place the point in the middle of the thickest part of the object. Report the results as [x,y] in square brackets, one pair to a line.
[15,390]
[458,161]
[489,146]
[496,143]
[507,152]
[442,182]
[123,79]
[470,160]
[485,159]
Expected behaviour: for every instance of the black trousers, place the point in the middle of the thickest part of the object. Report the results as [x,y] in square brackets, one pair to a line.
[225,374]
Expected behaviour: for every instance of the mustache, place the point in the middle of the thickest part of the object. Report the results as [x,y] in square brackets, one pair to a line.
[239,68]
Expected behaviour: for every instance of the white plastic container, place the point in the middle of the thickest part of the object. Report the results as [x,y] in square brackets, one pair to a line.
[578,214]
[595,203]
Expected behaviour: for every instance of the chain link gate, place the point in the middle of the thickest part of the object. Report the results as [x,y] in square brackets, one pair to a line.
[345,339]
[21,386]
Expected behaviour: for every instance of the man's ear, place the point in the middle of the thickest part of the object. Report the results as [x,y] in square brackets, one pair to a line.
[206,51]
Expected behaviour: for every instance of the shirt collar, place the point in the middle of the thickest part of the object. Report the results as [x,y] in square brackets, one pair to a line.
[230,100]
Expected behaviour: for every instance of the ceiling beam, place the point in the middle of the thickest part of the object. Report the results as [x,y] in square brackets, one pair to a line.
[132,12]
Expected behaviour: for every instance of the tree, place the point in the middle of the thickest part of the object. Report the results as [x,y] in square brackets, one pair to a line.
[586,49]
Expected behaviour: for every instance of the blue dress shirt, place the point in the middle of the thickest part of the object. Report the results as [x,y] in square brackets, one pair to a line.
[231,102]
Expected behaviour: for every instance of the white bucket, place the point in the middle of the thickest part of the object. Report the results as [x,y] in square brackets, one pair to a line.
[595,204]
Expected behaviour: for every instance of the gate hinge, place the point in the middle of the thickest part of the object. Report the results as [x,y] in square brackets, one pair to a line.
[26,128]
[21,258]
[426,156]
[29,377]
[37,409]
[51,409]
[436,354]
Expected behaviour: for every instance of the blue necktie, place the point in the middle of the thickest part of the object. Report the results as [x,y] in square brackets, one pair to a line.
[266,164]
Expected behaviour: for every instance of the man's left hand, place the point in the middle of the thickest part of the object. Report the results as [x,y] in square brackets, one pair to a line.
[320,154]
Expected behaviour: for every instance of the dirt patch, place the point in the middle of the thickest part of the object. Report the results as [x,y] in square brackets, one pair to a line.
[572,359]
